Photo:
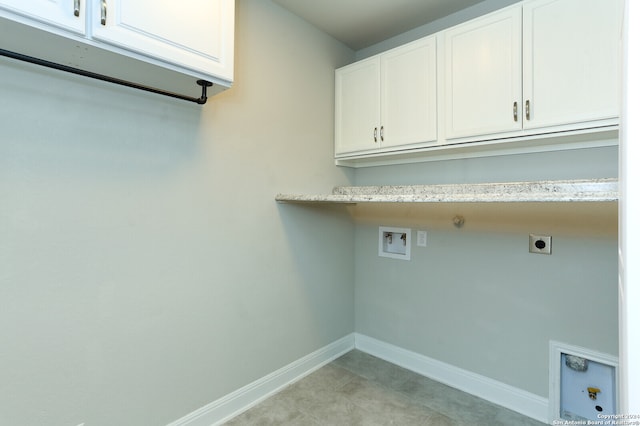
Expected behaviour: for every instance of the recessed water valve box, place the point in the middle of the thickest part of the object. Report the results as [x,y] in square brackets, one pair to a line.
[394,242]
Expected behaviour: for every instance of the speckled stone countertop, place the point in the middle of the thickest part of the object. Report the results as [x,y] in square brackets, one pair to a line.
[588,190]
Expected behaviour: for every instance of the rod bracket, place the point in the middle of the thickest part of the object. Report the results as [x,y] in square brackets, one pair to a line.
[204,84]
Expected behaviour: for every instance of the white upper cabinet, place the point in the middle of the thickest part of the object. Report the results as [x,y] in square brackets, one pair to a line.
[409,85]
[197,34]
[536,75]
[68,15]
[357,106]
[537,67]
[571,61]
[388,100]
[162,45]
[483,75]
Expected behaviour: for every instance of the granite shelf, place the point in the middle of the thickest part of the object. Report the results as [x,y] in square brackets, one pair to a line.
[587,190]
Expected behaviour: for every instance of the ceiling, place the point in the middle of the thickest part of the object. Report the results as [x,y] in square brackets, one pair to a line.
[362,23]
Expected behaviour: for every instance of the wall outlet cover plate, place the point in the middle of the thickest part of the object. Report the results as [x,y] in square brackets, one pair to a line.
[421,238]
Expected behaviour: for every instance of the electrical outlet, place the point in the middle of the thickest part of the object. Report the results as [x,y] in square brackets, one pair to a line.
[539,244]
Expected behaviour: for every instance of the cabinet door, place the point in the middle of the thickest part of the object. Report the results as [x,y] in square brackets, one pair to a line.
[408,98]
[68,15]
[571,60]
[197,34]
[358,107]
[483,75]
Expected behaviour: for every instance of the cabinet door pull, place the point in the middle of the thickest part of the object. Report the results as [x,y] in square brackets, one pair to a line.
[76,7]
[515,111]
[381,133]
[375,134]
[526,110]
[103,13]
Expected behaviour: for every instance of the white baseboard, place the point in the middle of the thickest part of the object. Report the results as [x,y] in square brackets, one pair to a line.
[515,399]
[229,406]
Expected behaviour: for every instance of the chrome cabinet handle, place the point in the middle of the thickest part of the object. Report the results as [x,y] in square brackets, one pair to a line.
[515,111]
[76,7]
[375,134]
[526,110]
[103,13]
[381,133]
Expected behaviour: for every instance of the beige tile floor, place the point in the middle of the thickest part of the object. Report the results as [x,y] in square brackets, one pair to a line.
[359,389]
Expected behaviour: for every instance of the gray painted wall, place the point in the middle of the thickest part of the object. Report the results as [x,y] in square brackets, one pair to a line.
[145,269]
[475,297]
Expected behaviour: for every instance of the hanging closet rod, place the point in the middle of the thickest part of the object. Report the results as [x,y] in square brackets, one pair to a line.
[202,83]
